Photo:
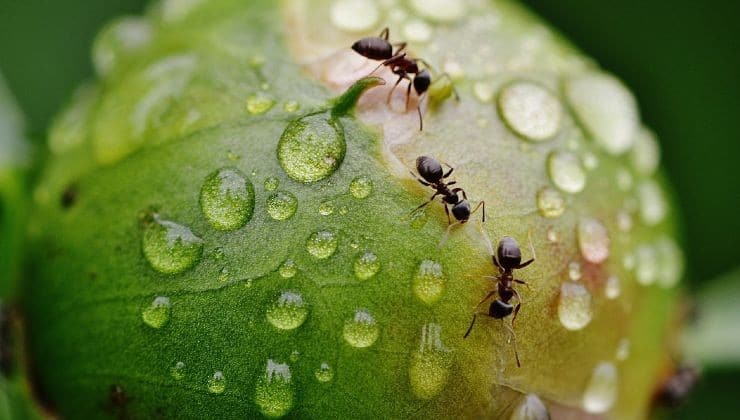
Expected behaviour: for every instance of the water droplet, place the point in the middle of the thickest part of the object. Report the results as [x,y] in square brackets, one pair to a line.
[623,349]
[566,172]
[326,208]
[227,199]
[361,330]
[274,391]
[430,364]
[288,269]
[291,106]
[157,314]
[429,282]
[530,110]
[322,244]
[123,37]
[175,10]
[366,265]
[624,221]
[670,262]
[288,312]
[354,15]
[324,373]
[224,275]
[574,307]
[271,183]
[530,407]
[483,91]
[593,240]
[613,287]
[553,235]
[294,356]
[624,179]
[440,10]
[281,205]
[574,270]
[601,391]
[417,31]
[646,265]
[653,207]
[259,103]
[645,154]
[590,161]
[311,148]
[361,187]
[178,371]
[169,247]
[606,109]
[216,383]
[550,203]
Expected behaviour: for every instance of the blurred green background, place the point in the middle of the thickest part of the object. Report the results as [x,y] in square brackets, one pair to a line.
[680,58]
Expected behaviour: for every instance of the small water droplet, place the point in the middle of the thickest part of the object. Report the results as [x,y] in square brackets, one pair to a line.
[227,199]
[623,349]
[259,103]
[178,371]
[646,265]
[593,240]
[311,148]
[552,235]
[271,183]
[291,106]
[430,364]
[366,265]
[294,356]
[601,391]
[429,282]
[361,330]
[361,187]
[574,307]
[354,15]
[613,287]
[324,373]
[169,247]
[123,37]
[550,203]
[670,262]
[224,275]
[274,391]
[281,205]
[418,31]
[645,154]
[288,312]
[530,407]
[216,383]
[483,91]
[653,206]
[440,10]
[566,172]
[322,244]
[530,110]
[590,161]
[157,314]
[574,270]
[288,269]
[326,208]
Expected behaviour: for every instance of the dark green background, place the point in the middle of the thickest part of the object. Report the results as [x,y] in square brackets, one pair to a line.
[681,58]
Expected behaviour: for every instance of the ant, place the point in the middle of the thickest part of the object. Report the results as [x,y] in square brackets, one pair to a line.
[509,259]
[377,47]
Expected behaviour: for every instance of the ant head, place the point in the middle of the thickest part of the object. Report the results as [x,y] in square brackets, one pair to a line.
[422,81]
[429,168]
[499,309]
[374,48]
[461,210]
[508,252]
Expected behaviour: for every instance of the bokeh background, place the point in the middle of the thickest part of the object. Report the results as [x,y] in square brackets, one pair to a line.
[681,58]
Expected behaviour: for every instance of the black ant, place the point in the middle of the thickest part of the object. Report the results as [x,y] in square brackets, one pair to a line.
[509,259]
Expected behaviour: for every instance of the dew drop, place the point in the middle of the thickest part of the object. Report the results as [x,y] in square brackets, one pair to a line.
[326,208]
[430,364]
[483,91]
[322,244]
[288,269]
[281,205]
[552,235]
[550,203]
[653,207]
[566,172]
[670,262]
[157,314]
[593,240]
[366,265]
[274,391]
[311,148]
[271,183]
[324,373]
[590,161]
[169,247]
[645,154]
[288,311]
[216,383]
[417,30]
[530,407]
[259,103]
[646,265]
[601,391]
[354,15]
[623,349]
[574,307]
[361,330]
[291,106]
[429,283]
[361,187]
[613,287]
[574,271]
[530,110]
[123,37]
[178,371]
[227,199]
[440,10]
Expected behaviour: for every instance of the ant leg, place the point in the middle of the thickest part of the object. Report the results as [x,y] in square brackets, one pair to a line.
[418,108]
[448,173]
[425,63]
[388,99]
[491,293]
[428,201]
[531,248]
[375,69]
[451,183]
[482,203]
[384,33]
[408,94]
[513,336]
[470,328]
[448,77]
[401,46]
[522,282]
[517,307]
[421,181]
[447,233]
[447,211]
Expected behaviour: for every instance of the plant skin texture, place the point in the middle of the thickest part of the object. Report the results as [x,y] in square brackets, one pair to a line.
[240,243]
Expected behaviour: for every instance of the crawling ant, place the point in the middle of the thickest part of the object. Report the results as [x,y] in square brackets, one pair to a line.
[509,259]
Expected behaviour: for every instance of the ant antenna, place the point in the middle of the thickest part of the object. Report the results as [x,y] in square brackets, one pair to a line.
[531,246]
[486,238]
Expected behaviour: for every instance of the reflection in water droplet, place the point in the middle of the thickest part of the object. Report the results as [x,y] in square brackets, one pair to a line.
[566,172]
[178,371]
[645,154]
[311,148]
[361,330]
[593,240]
[601,391]
[623,349]
[216,383]
[653,207]
[322,244]
[271,183]
[227,199]
[440,10]
[326,208]
[361,187]
[354,15]
[646,265]
[169,247]
[259,103]
[430,364]
[574,270]
[274,391]
[288,312]
[157,314]
[530,407]
[281,205]
[288,269]
[366,265]
[530,110]
[429,282]
[550,202]
[324,373]
[574,307]
[613,287]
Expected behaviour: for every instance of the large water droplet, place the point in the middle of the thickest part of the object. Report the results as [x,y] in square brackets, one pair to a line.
[216,383]
[613,287]
[361,187]
[288,312]
[157,314]
[566,172]
[324,373]
[530,407]
[574,307]
[122,37]
[178,371]
[646,265]
[169,247]
[281,205]
[440,10]
[326,208]
[670,262]
[361,330]
[288,269]
[429,282]
[593,240]
[322,244]
[227,199]
[366,265]
[271,183]
[550,203]
[601,391]
[311,148]
[645,154]
[653,206]
[259,103]
[530,110]
[274,391]
[606,108]
[430,364]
